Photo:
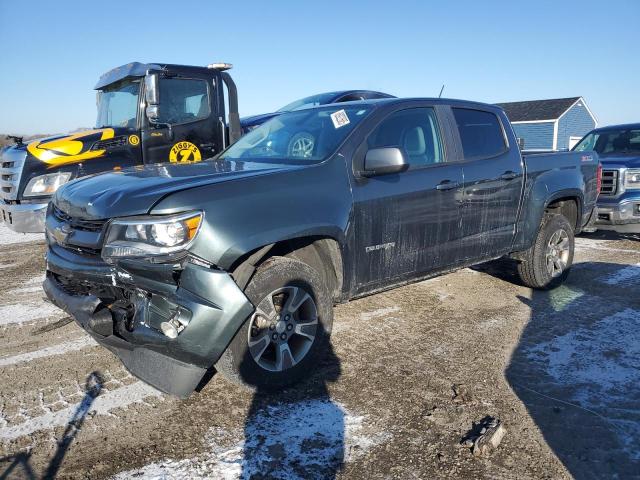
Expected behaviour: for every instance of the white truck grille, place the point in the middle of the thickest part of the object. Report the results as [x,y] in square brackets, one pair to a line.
[11,164]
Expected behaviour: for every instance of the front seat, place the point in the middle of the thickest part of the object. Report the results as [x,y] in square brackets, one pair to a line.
[415,146]
[203,111]
[622,143]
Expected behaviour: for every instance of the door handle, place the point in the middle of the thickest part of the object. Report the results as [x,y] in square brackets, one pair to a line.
[508,175]
[447,185]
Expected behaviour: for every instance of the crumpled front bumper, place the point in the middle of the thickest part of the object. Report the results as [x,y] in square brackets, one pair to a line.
[24,217]
[214,305]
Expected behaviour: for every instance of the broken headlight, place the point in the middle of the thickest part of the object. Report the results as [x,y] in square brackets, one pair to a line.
[159,237]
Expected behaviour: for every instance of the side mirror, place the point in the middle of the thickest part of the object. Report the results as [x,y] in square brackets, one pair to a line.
[152,97]
[381,161]
[153,113]
[151,89]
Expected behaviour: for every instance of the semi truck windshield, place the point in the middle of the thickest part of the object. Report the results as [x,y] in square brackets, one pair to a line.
[118,104]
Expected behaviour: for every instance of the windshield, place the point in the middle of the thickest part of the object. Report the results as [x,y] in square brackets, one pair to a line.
[303,136]
[118,104]
[612,142]
[312,101]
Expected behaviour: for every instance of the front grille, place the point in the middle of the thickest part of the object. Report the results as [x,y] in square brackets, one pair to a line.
[11,163]
[609,182]
[109,144]
[77,235]
[77,223]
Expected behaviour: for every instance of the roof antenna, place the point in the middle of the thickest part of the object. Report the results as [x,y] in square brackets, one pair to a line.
[441,90]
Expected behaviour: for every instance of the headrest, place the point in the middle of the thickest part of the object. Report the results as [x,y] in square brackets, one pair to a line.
[414,142]
[622,142]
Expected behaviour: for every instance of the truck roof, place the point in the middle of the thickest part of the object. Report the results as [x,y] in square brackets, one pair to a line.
[622,126]
[137,69]
[433,100]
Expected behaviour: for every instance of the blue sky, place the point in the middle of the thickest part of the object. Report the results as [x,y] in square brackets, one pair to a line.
[54,52]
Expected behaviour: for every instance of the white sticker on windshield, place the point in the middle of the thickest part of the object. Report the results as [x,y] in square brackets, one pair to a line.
[340,119]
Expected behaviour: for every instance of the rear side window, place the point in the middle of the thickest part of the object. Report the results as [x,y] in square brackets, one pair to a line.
[480,132]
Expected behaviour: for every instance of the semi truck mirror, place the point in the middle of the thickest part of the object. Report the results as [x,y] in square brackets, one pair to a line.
[153,113]
[151,89]
[382,161]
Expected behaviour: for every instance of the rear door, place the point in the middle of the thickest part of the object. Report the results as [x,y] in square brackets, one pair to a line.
[493,182]
[407,223]
[187,129]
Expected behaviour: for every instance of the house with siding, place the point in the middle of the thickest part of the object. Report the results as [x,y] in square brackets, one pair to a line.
[554,124]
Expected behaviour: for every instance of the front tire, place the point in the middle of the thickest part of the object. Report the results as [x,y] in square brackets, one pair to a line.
[280,343]
[546,264]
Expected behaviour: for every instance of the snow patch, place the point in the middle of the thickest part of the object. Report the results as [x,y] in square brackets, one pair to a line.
[563,297]
[36,280]
[591,244]
[33,285]
[19,314]
[308,439]
[59,349]
[600,364]
[9,237]
[381,312]
[118,398]
[24,290]
[629,275]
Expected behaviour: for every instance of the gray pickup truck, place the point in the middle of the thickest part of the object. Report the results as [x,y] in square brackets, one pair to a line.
[235,263]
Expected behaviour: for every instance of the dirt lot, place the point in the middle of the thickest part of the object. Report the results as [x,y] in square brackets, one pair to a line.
[560,369]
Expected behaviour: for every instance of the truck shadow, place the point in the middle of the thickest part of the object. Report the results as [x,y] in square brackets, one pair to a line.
[20,464]
[575,368]
[299,432]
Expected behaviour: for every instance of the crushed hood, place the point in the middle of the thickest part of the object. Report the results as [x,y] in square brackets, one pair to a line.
[135,191]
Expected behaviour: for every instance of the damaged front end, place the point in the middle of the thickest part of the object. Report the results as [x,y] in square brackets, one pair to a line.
[168,321]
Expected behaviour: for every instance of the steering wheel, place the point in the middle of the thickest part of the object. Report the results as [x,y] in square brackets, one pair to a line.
[301,145]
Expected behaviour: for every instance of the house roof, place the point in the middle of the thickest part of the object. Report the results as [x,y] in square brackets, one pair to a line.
[536,110]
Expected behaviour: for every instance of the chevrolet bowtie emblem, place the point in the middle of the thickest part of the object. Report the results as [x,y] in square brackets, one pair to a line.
[62,233]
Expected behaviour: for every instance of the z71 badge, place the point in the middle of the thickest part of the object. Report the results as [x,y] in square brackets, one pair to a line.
[184,152]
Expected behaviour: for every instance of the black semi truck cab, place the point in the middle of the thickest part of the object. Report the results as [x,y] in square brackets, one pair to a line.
[147,113]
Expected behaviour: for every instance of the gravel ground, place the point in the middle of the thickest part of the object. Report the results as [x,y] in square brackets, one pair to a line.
[560,369]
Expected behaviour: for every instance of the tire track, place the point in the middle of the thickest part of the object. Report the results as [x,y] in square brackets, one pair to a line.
[59,349]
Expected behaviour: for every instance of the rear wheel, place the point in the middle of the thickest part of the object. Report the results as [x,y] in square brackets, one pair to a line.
[280,343]
[547,263]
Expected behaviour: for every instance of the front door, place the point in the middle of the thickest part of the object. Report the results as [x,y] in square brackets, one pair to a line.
[408,223]
[187,129]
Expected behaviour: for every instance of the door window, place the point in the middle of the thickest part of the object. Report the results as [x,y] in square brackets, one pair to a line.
[183,100]
[415,132]
[480,132]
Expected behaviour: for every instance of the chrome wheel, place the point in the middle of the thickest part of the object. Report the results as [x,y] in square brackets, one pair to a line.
[301,145]
[558,252]
[283,328]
